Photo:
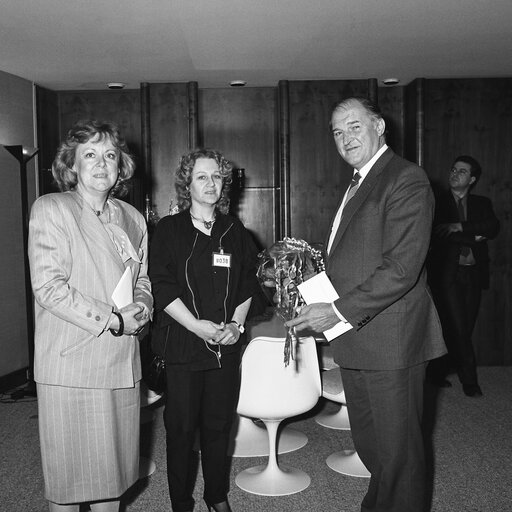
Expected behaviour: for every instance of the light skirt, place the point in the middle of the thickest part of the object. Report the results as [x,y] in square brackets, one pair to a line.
[89,442]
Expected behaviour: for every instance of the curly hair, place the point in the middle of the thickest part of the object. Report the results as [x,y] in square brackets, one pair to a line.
[62,168]
[184,177]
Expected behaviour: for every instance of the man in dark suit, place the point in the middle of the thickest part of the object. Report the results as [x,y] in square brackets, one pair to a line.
[376,251]
[459,269]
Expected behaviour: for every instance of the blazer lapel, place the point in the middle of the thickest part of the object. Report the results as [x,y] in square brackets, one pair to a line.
[98,240]
[360,196]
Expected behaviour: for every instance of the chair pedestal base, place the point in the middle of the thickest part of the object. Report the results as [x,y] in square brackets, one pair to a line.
[252,440]
[146,467]
[336,421]
[267,481]
[347,462]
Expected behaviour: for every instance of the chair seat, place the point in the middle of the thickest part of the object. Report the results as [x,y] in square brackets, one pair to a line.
[332,384]
[271,391]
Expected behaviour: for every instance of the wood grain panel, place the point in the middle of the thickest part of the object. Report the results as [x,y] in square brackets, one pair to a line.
[241,123]
[391,103]
[169,140]
[48,137]
[120,107]
[318,175]
[474,117]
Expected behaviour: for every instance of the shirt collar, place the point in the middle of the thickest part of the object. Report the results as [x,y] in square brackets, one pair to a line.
[367,167]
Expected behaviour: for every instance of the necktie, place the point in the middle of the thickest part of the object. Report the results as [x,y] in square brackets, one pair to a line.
[352,189]
[464,250]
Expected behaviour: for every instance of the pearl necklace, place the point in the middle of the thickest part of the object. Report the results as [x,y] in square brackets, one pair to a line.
[207,223]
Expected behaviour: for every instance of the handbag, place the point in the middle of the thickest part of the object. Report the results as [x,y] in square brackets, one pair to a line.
[153,365]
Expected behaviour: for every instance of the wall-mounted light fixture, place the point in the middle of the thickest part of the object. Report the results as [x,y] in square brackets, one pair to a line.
[238,83]
[24,154]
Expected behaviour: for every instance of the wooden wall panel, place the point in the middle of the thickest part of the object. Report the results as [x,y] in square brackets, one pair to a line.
[318,175]
[474,117]
[241,123]
[169,126]
[48,136]
[120,107]
[16,128]
[391,103]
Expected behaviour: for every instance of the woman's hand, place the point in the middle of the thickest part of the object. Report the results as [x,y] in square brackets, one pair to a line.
[134,318]
[228,336]
[207,330]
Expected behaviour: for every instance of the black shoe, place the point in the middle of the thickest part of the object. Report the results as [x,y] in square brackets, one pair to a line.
[472,390]
[219,507]
[443,383]
[440,382]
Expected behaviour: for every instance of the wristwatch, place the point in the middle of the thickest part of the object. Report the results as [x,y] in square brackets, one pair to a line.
[240,327]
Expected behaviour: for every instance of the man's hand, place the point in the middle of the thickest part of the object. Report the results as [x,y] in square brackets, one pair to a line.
[444,230]
[315,317]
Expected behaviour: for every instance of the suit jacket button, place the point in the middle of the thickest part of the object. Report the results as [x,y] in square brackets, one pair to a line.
[89,314]
[97,318]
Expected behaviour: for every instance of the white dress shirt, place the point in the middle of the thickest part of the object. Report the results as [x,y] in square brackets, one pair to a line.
[336,224]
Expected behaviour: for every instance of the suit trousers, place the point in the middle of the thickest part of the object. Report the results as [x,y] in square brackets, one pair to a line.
[385,410]
[458,304]
[203,400]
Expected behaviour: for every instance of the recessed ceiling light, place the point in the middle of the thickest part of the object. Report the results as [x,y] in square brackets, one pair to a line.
[237,83]
[390,81]
[116,85]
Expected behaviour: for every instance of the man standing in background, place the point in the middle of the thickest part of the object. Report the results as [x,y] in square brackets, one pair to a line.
[459,269]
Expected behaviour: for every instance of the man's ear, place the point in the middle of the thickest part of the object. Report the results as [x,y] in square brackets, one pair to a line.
[472,180]
[381,127]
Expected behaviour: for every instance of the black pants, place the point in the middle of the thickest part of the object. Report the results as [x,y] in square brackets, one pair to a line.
[203,400]
[385,410]
[458,304]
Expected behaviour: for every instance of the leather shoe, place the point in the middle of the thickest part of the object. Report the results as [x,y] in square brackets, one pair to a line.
[440,382]
[472,390]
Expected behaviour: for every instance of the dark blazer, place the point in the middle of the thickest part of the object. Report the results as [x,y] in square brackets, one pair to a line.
[444,253]
[376,264]
[177,260]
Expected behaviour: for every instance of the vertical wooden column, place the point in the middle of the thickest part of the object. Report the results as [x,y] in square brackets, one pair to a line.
[414,143]
[373,91]
[145,132]
[283,228]
[420,122]
[193,101]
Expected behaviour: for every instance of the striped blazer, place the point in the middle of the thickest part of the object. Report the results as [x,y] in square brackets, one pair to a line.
[74,269]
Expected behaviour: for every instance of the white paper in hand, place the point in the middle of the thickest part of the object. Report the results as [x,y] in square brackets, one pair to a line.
[123,294]
[320,289]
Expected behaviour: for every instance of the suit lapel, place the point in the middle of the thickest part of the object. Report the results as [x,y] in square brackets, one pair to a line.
[360,196]
[97,237]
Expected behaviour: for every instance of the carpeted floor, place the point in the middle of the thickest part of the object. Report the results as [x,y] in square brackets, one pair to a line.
[470,444]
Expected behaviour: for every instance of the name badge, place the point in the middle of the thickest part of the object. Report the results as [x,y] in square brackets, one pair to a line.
[221,260]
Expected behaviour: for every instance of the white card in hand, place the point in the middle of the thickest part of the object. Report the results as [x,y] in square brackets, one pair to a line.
[123,294]
[320,289]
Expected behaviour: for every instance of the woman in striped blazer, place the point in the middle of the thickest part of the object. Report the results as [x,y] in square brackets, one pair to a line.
[87,365]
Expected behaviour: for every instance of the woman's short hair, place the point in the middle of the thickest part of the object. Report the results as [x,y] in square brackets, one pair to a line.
[83,131]
[184,177]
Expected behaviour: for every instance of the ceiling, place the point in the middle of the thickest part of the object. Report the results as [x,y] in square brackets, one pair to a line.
[77,44]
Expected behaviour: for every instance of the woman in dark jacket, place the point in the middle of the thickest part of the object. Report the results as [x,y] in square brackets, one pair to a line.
[203,272]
